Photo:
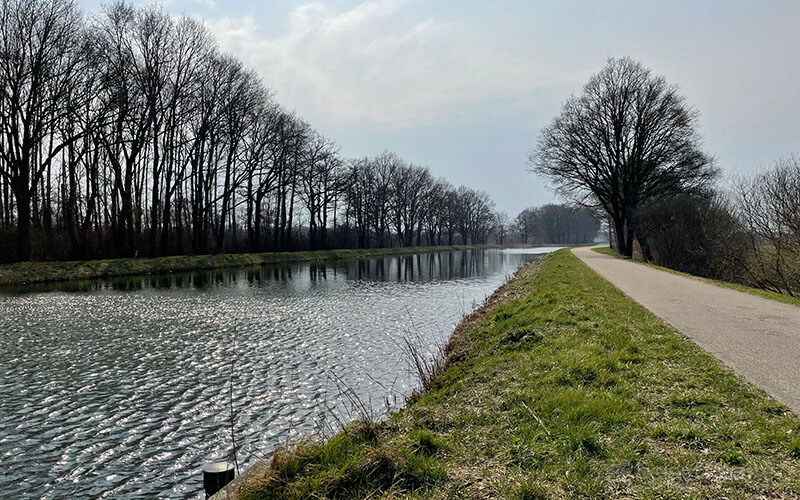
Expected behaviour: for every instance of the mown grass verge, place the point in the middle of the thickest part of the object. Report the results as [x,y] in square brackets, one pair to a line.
[43,272]
[559,387]
[786,299]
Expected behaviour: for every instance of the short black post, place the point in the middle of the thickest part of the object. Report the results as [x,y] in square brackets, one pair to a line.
[216,475]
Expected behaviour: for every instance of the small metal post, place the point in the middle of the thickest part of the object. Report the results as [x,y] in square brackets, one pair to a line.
[216,475]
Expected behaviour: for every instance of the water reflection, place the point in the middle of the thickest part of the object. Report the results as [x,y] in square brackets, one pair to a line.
[405,268]
[120,388]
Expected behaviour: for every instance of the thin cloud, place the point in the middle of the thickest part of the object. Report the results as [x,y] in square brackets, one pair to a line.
[369,64]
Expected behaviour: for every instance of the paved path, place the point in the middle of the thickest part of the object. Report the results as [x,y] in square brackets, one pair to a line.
[758,338]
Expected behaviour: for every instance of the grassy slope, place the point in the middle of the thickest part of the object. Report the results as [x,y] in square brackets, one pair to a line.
[561,386]
[42,272]
[786,299]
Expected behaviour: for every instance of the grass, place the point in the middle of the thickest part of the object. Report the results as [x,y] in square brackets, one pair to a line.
[560,386]
[25,273]
[779,297]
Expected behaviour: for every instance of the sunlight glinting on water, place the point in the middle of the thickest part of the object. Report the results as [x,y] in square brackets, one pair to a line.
[122,389]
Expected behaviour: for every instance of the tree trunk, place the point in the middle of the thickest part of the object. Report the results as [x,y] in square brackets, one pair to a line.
[628,240]
[24,247]
[619,232]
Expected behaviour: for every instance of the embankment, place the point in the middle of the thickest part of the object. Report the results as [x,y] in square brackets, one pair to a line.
[41,272]
[560,386]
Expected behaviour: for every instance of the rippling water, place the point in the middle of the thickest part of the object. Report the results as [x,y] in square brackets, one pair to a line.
[122,388]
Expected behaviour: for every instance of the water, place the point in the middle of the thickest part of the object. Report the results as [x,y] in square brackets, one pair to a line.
[122,388]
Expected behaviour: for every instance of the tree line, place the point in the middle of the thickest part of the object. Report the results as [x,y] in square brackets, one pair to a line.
[556,224]
[131,133]
[628,148]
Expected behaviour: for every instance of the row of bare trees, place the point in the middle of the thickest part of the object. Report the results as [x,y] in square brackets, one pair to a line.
[556,224]
[131,133]
[386,198]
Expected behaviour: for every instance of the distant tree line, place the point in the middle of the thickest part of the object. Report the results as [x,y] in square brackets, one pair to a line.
[628,148]
[556,224]
[132,134]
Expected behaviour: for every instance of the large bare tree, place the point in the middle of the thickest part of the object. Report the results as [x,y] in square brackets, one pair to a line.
[629,139]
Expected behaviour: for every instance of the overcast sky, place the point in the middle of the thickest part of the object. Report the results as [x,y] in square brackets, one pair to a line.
[463,86]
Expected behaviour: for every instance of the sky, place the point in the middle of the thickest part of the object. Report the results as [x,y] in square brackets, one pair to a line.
[464,86]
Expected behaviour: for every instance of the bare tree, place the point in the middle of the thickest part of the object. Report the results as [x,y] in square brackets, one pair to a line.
[320,179]
[525,224]
[502,226]
[627,140]
[435,210]
[768,205]
[42,58]
[409,187]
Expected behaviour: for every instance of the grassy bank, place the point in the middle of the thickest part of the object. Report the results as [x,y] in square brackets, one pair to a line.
[42,272]
[563,387]
[786,299]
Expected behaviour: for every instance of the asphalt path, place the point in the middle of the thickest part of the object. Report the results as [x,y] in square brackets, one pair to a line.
[756,337]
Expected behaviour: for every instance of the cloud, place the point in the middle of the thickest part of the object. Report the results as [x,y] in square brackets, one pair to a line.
[375,64]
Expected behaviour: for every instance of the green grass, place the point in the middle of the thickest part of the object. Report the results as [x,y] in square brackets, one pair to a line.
[780,297]
[42,272]
[560,387]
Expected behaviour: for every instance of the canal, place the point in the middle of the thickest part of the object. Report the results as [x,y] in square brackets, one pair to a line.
[123,388]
